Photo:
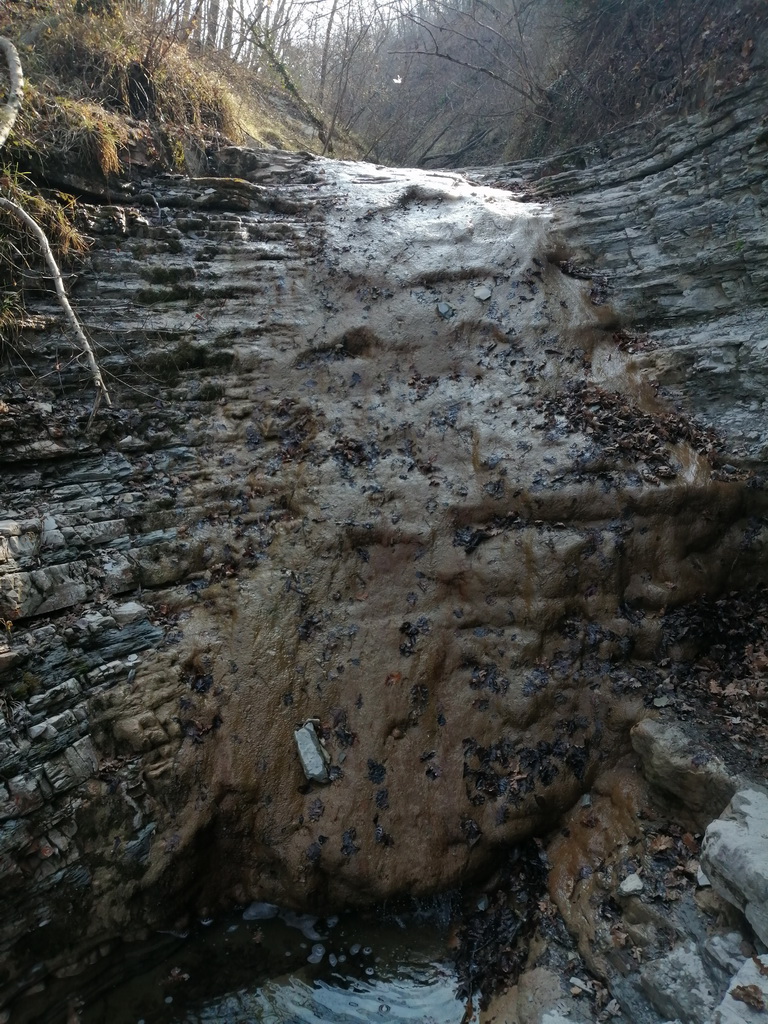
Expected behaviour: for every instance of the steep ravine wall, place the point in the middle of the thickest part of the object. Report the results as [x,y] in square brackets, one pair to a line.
[385,453]
[673,218]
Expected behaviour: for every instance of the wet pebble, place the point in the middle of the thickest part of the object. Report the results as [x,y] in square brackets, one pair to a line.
[260,912]
[632,885]
[317,954]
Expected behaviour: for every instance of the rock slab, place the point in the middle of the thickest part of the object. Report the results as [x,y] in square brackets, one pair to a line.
[734,856]
[747,996]
[678,985]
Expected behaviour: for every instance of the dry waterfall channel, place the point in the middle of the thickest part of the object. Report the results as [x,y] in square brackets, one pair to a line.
[457,476]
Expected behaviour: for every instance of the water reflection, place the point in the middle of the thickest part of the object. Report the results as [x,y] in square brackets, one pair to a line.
[266,969]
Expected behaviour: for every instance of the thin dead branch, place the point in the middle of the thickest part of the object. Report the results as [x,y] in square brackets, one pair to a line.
[31,224]
[8,116]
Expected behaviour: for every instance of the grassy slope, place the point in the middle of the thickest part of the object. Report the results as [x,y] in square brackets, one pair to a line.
[97,84]
[108,97]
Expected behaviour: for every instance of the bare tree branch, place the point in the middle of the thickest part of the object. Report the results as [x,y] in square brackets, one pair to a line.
[475,67]
[85,345]
[8,116]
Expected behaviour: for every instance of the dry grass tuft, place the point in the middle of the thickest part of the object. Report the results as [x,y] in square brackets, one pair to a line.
[89,72]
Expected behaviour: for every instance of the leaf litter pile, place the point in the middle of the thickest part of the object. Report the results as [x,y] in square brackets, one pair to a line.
[623,430]
[493,940]
[718,667]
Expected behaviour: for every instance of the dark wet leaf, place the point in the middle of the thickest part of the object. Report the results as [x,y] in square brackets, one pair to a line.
[493,941]
[348,845]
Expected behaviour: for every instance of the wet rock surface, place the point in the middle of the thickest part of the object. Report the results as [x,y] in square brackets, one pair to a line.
[747,995]
[668,226]
[380,458]
[735,856]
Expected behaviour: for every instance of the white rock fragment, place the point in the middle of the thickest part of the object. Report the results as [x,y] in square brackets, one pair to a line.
[311,753]
[129,612]
[673,763]
[483,292]
[632,885]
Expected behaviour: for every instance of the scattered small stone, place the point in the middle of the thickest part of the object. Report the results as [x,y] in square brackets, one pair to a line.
[632,885]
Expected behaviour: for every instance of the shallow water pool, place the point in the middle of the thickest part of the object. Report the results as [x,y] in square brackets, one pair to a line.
[285,969]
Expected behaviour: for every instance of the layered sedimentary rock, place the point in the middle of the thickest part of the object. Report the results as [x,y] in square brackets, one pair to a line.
[669,224]
[388,452]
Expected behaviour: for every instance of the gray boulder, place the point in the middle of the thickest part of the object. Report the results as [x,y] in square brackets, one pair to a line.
[734,856]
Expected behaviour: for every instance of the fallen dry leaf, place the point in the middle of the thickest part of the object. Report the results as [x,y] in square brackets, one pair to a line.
[690,842]
[749,994]
[660,843]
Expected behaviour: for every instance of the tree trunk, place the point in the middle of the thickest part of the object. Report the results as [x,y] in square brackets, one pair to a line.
[228,26]
[326,51]
[212,24]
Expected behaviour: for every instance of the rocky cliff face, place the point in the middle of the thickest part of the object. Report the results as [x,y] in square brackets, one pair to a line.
[423,459]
